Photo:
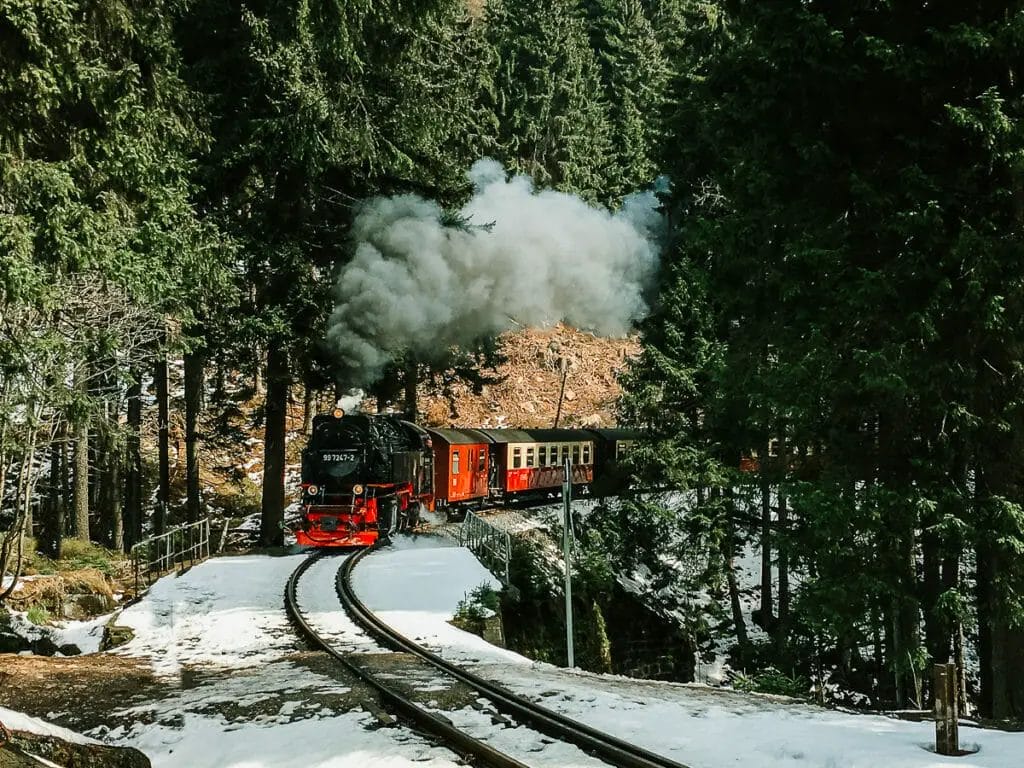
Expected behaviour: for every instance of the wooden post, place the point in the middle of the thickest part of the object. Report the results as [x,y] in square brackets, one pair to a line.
[946,737]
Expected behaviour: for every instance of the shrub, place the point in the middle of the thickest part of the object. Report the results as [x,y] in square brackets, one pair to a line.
[771,680]
[38,615]
[480,604]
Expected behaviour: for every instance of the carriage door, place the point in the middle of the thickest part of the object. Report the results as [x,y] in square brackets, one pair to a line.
[478,455]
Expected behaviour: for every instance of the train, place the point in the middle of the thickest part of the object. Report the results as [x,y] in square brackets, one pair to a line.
[368,476]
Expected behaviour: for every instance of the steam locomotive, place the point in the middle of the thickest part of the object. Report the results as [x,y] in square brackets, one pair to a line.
[368,476]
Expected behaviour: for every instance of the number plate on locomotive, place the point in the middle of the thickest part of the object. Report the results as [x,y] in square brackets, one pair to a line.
[338,457]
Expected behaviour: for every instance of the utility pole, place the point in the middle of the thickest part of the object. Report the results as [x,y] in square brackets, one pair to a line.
[564,364]
[567,554]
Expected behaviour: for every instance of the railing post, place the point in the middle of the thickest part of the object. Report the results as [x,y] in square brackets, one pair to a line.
[947,741]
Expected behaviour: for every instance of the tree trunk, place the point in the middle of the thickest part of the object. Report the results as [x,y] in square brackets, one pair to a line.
[113,512]
[257,374]
[1007,669]
[163,497]
[936,635]
[194,362]
[106,493]
[782,625]
[51,533]
[133,465]
[734,602]
[308,408]
[739,623]
[81,487]
[906,622]
[272,522]
[66,495]
[411,380]
[108,472]
[767,606]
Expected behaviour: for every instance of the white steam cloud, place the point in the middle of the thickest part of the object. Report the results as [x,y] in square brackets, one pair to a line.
[416,284]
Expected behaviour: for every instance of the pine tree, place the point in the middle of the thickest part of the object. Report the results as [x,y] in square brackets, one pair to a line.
[314,107]
[634,78]
[552,117]
[844,182]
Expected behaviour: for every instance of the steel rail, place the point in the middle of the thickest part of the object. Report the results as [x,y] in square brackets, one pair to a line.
[554,724]
[463,743]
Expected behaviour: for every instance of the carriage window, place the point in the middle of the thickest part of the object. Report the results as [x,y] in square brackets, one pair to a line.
[481,462]
[564,453]
[529,457]
[542,456]
[517,458]
[586,453]
[455,463]
[575,454]
[622,450]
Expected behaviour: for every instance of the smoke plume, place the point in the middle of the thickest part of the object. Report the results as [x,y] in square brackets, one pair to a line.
[418,284]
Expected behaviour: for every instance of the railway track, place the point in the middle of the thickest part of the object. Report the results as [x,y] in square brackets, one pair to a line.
[599,745]
[469,748]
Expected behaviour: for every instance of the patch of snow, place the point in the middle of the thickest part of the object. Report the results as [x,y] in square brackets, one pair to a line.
[247,702]
[87,635]
[16,721]
[215,613]
[416,585]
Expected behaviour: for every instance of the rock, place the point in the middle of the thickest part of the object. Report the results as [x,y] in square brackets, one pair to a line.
[80,607]
[12,643]
[43,646]
[70,649]
[113,636]
[493,632]
[16,753]
[570,395]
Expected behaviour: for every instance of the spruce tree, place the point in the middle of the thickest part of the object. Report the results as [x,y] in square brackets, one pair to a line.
[552,116]
[634,79]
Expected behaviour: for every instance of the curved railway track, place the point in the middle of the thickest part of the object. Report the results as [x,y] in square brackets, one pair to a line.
[461,742]
[555,725]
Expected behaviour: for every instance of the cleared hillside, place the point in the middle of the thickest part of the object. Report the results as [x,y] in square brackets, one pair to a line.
[526,390]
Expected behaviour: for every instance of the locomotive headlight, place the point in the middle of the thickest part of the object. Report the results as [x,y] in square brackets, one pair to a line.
[337,413]
[357,489]
[312,490]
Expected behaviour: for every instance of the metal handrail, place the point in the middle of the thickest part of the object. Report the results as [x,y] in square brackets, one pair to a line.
[485,540]
[157,555]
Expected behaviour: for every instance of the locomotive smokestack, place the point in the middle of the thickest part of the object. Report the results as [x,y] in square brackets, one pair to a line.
[418,283]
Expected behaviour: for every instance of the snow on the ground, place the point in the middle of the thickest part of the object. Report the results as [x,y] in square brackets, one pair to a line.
[16,721]
[415,587]
[86,635]
[241,693]
[227,612]
[342,741]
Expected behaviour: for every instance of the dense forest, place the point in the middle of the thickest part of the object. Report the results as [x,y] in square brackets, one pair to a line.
[833,364]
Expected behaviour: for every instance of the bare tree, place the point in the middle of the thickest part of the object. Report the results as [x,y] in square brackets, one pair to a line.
[58,368]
